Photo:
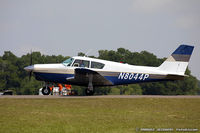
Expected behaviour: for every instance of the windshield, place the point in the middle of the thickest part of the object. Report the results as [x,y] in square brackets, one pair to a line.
[68,62]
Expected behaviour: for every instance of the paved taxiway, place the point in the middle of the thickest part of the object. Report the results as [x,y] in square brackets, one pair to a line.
[102,96]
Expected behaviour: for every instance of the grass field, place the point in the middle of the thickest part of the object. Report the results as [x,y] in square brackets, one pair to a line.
[112,115]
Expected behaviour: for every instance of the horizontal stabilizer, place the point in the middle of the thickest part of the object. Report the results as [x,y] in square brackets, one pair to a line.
[176,77]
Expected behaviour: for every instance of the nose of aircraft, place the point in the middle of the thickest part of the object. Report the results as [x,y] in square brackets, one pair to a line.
[29,68]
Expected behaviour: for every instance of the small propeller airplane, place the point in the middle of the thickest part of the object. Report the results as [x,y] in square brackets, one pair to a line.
[90,72]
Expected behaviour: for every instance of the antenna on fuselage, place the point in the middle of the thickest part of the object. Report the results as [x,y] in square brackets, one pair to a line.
[86,54]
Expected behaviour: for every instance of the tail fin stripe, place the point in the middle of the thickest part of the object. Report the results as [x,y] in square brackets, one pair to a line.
[178,57]
[182,53]
[184,50]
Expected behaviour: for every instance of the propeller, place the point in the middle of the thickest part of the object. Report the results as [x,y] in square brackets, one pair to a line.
[31,62]
[30,68]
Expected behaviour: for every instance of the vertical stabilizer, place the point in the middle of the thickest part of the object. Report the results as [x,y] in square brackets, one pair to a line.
[178,61]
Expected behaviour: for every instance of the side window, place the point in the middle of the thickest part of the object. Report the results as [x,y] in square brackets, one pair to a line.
[76,63]
[81,63]
[97,65]
[85,63]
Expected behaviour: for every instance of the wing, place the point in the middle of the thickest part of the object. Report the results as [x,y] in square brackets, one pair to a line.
[83,75]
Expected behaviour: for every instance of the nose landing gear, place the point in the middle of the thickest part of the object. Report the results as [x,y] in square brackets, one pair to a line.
[46,90]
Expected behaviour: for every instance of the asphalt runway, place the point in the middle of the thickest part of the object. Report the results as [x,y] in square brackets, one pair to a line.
[102,96]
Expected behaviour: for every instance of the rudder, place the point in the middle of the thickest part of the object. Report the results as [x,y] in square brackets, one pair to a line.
[178,61]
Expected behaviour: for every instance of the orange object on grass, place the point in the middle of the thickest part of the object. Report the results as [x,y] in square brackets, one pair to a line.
[68,87]
[51,88]
[60,87]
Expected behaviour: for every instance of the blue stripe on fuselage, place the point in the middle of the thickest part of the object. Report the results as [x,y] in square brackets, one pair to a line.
[61,78]
[53,77]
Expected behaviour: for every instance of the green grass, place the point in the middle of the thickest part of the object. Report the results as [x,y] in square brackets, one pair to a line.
[97,115]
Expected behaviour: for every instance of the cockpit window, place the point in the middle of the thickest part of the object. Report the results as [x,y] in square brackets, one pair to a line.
[97,65]
[81,63]
[68,62]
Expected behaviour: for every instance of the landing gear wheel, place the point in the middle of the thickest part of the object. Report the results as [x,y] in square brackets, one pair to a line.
[46,90]
[89,92]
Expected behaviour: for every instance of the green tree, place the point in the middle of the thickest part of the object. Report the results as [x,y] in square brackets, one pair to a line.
[13,76]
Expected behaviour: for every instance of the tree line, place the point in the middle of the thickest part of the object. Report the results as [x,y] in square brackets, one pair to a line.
[14,77]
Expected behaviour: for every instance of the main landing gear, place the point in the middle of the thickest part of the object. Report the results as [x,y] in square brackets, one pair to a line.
[90,90]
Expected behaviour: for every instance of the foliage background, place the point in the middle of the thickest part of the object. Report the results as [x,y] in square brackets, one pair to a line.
[14,77]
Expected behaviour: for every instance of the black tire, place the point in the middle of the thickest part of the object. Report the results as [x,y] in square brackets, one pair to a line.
[46,90]
[89,92]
